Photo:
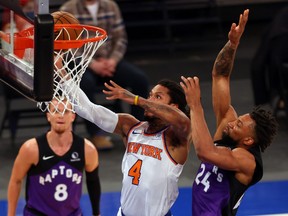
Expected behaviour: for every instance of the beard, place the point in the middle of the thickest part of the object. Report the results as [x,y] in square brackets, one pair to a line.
[150,118]
[228,141]
[153,121]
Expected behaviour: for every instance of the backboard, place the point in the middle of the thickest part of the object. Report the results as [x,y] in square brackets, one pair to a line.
[26,57]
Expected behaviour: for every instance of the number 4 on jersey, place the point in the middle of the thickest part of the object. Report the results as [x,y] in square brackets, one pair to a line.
[135,172]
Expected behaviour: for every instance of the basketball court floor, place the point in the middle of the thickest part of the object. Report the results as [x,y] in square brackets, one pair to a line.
[256,201]
[269,197]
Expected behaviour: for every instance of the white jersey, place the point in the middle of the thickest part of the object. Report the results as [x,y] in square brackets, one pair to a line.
[150,175]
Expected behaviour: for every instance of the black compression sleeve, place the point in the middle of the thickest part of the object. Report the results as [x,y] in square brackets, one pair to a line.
[94,190]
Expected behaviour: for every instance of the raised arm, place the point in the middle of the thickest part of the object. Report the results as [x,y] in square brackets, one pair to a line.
[238,160]
[222,70]
[171,115]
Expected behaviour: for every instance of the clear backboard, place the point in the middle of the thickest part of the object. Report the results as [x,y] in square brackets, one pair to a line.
[26,57]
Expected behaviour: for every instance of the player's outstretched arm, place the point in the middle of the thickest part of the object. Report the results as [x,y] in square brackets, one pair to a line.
[171,115]
[97,114]
[201,137]
[238,160]
[222,69]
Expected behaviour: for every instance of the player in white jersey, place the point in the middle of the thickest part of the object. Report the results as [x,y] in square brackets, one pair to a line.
[148,153]
[156,149]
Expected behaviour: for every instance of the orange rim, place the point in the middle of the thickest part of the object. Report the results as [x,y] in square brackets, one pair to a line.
[24,39]
[67,44]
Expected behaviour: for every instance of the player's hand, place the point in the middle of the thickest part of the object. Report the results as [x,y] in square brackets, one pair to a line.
[192,92]
[117,92]
[236,31]
[59,68]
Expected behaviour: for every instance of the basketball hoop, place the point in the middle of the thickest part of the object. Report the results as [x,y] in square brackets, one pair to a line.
[74,47]
[86,35]
[71,58]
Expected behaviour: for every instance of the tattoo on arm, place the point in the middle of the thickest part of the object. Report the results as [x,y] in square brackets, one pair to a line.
[155,108]
[225,60]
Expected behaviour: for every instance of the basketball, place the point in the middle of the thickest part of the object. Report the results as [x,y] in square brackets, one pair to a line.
[62,17]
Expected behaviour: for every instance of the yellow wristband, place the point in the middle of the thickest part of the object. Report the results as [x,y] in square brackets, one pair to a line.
[136,100]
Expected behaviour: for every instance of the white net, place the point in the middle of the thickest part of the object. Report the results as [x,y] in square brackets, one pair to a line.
[70,65]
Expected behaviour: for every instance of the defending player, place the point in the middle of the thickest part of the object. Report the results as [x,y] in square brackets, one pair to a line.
[233,162]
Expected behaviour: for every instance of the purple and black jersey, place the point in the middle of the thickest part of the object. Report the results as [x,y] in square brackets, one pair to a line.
[210,190]
[54,185]
[216,192]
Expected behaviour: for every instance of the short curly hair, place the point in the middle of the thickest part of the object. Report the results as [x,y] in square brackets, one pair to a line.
[176,94]
[266,127]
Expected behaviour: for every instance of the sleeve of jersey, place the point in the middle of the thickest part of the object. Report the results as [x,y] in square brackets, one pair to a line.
[97,114]
[94,190]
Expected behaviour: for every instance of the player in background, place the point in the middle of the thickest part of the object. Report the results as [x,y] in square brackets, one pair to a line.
[231,160]
[53,164]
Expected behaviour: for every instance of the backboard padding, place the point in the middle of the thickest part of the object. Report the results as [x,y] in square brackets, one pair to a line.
[33,79]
